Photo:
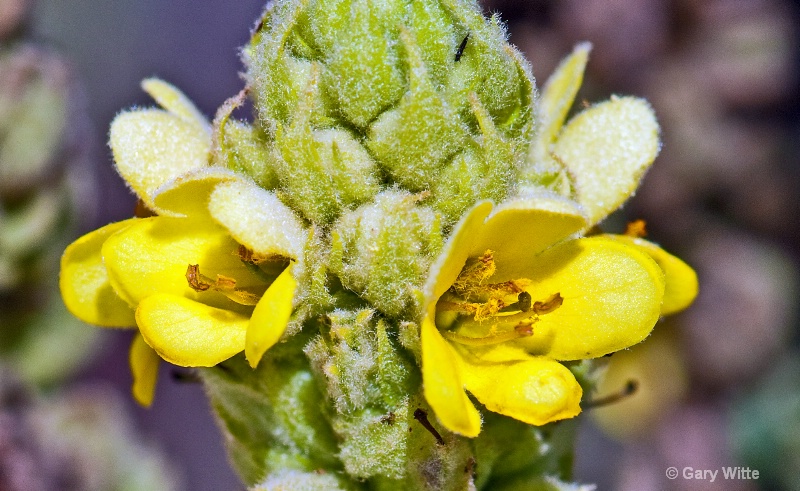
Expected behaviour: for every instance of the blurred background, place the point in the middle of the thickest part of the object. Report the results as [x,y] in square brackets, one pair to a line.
[719,385]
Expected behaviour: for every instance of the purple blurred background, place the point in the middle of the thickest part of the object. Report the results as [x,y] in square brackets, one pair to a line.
[722,76]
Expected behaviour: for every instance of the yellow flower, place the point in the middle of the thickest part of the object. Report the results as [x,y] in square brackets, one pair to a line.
[513,294]
[206,278]
[516,291]
[519,290]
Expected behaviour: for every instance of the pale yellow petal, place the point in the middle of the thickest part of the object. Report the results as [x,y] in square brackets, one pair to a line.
[270,317]
[152,256]
[611,298]
[681,280]
[84,283]
[189,333]
[174,101]
[189,194]
[144,363]
[659,369]
[559,93]
[524,228]
[535,390]
[451,260]
[258,219]
[607,149]
[442,384]
[152,147]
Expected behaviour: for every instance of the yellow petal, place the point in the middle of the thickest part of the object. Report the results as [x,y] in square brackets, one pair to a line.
[84,284]
[611,298]
[455,252]
[607,149]
[189,194]
[144,363]
[552,109]
[534,389]
[559,92]
[270,317]
[681,280]
[152,256]
[258,219]
[189,333]
[152,147]
[174,101]
[523,228]
[442,384]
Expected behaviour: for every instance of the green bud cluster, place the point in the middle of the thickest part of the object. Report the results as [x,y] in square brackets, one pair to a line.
[354,97]
[367,380]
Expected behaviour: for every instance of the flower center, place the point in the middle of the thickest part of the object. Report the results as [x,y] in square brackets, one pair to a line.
[499,311]
[264,267]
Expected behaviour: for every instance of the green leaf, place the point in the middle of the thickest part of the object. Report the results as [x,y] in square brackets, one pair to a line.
[272,416]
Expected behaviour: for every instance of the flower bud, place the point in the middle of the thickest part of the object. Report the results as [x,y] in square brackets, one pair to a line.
[383,250]
[371,384]
[416,90]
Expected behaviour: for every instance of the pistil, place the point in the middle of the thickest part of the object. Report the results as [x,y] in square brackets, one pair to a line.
[521,330]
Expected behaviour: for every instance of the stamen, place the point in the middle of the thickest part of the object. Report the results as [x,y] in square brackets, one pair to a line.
[198,282]
[475,272]
[525,329]
[265,266]
[521,312]
[223,284]
[488,309]
[459,307]
[636,229]
[521,330]
[548,305]
[481,311]
[250,256]
[502,289]
[538,308]
[469,296]
[630,388]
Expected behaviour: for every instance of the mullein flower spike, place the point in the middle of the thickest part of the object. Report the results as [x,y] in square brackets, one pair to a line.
[403,222]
